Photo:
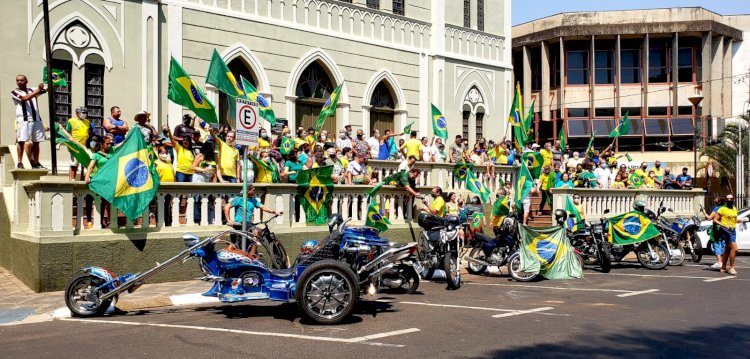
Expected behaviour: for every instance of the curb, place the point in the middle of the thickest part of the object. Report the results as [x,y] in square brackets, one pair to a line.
[148,303]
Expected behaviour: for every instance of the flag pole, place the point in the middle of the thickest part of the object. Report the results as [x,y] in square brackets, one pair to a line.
[244,199]
[50,87]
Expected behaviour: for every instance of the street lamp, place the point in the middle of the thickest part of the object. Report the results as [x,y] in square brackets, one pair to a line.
[695,99]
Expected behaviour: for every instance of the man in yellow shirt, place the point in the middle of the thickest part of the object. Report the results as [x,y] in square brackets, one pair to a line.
[641,172]
[412,147]
[438,203]
[727,223]
[79,128]
[658,171]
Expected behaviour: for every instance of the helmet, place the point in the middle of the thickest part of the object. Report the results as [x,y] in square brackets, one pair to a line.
[308,247]
[334,220]
[560,216]
[639,205]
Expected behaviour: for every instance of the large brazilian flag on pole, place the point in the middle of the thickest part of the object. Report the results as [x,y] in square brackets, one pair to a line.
[631,228]
[315,189]
[439,124]
[184,92]
[548,252]
[128,180]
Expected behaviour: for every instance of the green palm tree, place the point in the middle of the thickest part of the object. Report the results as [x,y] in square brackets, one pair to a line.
[725,153]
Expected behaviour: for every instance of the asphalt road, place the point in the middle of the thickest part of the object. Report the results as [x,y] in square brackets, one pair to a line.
[686,311]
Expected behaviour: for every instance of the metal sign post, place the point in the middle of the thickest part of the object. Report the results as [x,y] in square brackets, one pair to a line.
[247,129]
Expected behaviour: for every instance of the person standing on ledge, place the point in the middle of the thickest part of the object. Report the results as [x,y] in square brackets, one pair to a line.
[29,126]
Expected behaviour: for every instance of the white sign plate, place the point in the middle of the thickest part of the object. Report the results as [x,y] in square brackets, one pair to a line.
[247,123]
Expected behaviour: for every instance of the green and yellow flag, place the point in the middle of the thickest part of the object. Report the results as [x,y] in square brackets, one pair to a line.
[287,144]
[562,138]
[501,207]
[635,180]
[76,149]
[523,186]
[439,124]
[264,107]
[520,137]
[516,110]
[631,228]
[264,172]
[184,92]
[58,77]
[407,128]
[475,185]
[315,189]
[128,180]
[220,76]
[534,161]
[476,220]
[574,221]
[622,128]
[528,121]
[548,252]
[590,147]
[461,170]
[400,178]
[376,217]
[329,109]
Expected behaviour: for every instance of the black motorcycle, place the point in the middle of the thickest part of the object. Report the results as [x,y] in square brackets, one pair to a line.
[486,251]
[440,247]
[652,254]
[590,242]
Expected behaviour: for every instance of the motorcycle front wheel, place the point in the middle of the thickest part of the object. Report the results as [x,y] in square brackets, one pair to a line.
[660,259]
[82,298]
[604,261]
[696,249]
[514,269]
[452,271]
[677,254]
[473,267]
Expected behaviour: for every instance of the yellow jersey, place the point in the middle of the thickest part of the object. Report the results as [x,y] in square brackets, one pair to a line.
[263,143]
[165,171]
[228,158]
[78,129]
[185,158]
[547,155]
[728,217]
[439,206]
[413,148]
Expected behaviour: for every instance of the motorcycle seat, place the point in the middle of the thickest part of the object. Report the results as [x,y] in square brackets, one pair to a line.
[483,237]
[282,273]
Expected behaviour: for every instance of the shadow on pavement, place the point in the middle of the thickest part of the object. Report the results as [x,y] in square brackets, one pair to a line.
[731,341]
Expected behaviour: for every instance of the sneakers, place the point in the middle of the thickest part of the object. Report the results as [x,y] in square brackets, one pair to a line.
[716,265]
[19,165]
[38,166]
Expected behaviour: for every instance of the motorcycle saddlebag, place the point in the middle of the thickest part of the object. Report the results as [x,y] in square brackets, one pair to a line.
[430,222]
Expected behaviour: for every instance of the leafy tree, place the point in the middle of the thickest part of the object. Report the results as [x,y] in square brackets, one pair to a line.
[724,154]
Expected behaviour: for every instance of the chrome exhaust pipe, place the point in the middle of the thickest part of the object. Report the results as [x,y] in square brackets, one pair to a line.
[374,276]
[477,261]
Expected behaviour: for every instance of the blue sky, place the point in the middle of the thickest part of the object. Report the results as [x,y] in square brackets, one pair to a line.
[525,10]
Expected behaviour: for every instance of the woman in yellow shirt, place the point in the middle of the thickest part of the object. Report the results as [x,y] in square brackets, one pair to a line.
[451,207]
[229,158]
[726,220]
[185,157]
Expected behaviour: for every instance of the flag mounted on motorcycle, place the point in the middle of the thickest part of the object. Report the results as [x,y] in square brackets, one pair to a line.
[631,228]
[548,252]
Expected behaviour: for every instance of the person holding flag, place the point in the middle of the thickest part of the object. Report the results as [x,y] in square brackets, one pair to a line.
[80,131]
[501,208]
[386,144]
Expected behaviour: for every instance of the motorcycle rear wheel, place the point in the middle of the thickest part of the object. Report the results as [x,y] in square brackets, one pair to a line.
[452,270]
[696,249]
[476,268]
[679,258]
[514,269]
[661,251]
[409,279]
[604,261]
[327,292]
[82,298]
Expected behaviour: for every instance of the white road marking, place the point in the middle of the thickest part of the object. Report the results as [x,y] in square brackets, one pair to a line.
[459,306]
[359,340]
[637,293]
[652,275]
[708,267]
[718,279]
[519,312]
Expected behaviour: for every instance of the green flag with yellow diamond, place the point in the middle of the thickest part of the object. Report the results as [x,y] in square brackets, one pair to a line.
[315,188]
[128,180]
[534,161]
[475,185]
[439,124]
[264,107]
[461,170]
[631,228]
[548,252]
[184,92]
[220,76]
[329,108]
[76,149]
[58,77]
[376,217]
[287,144]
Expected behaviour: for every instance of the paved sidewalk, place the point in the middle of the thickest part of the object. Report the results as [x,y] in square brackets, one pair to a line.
[19,304]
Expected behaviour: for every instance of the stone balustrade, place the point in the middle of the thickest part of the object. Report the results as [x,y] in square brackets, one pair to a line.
[595,201]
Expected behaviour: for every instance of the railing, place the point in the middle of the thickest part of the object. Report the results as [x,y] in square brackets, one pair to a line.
[595,201]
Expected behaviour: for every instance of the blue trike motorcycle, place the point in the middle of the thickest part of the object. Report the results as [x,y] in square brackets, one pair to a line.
[325,288]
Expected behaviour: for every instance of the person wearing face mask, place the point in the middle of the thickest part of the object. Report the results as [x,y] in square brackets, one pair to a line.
[321,140]
[726,220]
[579,206]
[332,160]
[300,139]
[310,138]
[344,141]
[438,202]
[641,172]
[374,142]
[575,160]
[185,157]
[669,180]
[602,175]
[360,146]
[264,141]
[658,172]
[80,131]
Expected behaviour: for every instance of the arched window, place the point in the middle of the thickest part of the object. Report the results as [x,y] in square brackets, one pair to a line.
[382,111]
[313,89]
[238,67]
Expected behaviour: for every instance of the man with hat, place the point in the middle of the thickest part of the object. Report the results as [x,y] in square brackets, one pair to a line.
[142,124]
[79,128]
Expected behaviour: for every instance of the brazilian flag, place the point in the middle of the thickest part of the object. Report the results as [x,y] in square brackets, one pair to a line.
[315,189]
[524,184]
[574,221]
[492,154]
[548,252]
[515,118]
[329,108]
[76,149]
[220,76]
[184,92]
[631,228]
[475,185]
[501,207]
[58,77]
[534,161]
[590,147]
[264,173]
[476,220]
[287,144]
[461,170]
[622,128]
[562,138]
[439,124]
[376,217]
[407,129]
[128,180]
[264,107]
[636,180]
[520,137]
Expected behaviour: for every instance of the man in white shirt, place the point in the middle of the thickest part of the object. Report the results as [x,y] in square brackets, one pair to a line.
[602,175]
[356,172]
[407,164]
[374,143]
[30,129]
[575,160]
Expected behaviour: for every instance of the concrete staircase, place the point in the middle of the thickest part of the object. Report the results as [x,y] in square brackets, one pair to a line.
[543,220]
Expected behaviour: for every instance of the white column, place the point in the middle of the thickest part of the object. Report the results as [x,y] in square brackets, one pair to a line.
[174,41]
[291,113]
[366,119]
